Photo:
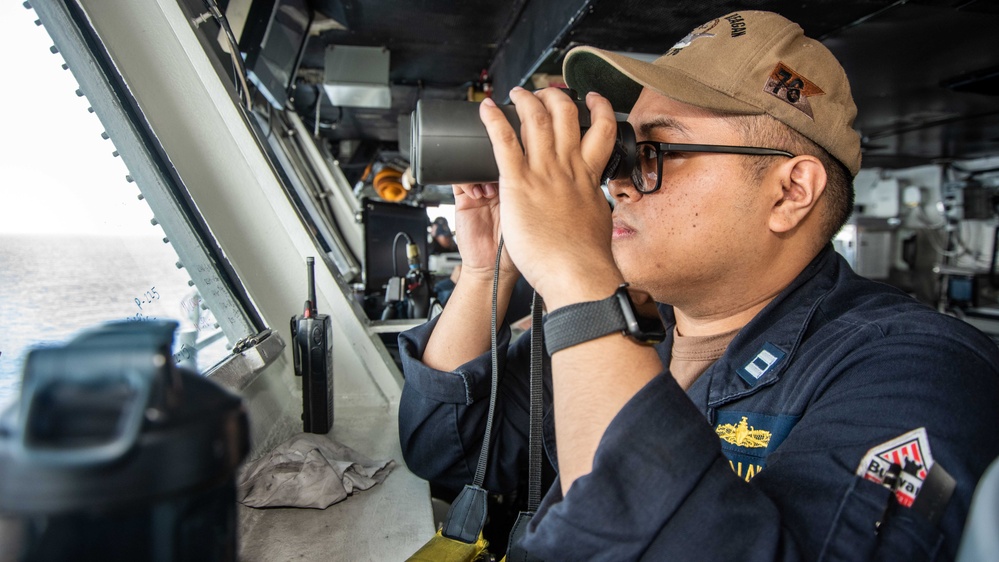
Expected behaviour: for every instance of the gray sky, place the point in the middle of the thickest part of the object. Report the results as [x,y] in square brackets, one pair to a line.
[57,174]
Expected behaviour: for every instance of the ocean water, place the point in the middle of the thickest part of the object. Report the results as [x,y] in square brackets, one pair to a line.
[52,287]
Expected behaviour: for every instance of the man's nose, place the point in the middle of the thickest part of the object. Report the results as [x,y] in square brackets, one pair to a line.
[623,190]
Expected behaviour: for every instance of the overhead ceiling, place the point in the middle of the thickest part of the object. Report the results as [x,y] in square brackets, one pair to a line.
[925,73]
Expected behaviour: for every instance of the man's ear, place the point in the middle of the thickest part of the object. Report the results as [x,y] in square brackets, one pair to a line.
[802,180]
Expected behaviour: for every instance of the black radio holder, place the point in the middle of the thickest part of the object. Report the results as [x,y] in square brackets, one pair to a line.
[312,346]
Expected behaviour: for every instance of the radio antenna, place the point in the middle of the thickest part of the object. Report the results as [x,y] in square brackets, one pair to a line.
[310,263]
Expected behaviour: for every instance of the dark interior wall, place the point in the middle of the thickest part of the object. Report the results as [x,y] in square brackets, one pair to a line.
[925,73]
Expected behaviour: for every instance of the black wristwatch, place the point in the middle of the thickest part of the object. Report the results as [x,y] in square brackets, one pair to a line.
[629,311]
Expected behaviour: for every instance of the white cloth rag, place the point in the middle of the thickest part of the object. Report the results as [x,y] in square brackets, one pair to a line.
[308,470]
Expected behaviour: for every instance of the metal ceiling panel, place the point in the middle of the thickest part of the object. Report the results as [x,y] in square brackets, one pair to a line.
[901,56]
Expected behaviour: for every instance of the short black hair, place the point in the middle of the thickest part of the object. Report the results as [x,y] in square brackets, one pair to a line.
[764,130]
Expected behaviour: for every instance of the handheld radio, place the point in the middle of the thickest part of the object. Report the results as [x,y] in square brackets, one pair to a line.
[312,337]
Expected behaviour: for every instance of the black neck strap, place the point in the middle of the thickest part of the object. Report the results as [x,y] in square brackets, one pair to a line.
[467,515]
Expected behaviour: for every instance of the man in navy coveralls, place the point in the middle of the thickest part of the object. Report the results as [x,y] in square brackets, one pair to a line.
[795,411]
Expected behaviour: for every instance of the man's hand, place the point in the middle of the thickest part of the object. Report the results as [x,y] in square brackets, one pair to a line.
[463,330]
[557,226]
[556,220]
[477,215]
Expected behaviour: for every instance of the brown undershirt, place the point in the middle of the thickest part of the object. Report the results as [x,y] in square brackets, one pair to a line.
[692,355]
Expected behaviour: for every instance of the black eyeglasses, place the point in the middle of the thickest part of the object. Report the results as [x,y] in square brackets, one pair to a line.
[649,159]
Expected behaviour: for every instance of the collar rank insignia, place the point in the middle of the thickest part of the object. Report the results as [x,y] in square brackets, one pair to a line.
[743,435]
[765,360]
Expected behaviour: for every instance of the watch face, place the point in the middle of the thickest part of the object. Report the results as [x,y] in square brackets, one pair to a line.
[641,315]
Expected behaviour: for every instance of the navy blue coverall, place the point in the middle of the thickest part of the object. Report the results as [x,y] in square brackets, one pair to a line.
[835,365]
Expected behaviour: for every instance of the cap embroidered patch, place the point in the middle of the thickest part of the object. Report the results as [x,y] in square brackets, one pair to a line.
[765,360]
[700,31]
[900,464]
[737,24]
[787,85]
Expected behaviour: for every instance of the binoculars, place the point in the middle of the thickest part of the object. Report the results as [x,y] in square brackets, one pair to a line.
[449,143]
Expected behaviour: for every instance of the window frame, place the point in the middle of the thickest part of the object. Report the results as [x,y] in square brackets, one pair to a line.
[151,169]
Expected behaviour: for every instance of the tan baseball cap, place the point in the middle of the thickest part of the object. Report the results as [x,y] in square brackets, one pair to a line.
[746,63]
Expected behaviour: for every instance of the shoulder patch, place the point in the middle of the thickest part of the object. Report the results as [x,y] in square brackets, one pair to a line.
[902,464]
[766,359]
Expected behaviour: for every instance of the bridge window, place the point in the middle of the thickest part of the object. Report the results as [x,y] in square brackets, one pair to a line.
[79,244]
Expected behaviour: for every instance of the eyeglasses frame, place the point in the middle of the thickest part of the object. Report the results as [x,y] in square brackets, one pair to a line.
[664,147]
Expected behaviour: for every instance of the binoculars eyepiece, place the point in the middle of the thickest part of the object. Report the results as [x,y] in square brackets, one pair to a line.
[449,143]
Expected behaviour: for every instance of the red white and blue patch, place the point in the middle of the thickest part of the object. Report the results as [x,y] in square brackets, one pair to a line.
[908,456]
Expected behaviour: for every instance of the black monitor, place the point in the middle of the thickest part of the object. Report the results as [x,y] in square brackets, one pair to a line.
[382,221]
[273,41]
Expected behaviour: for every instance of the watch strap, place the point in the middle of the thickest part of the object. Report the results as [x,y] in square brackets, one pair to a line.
[581,322]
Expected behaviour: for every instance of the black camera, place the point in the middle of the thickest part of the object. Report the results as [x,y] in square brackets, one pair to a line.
[449,143]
